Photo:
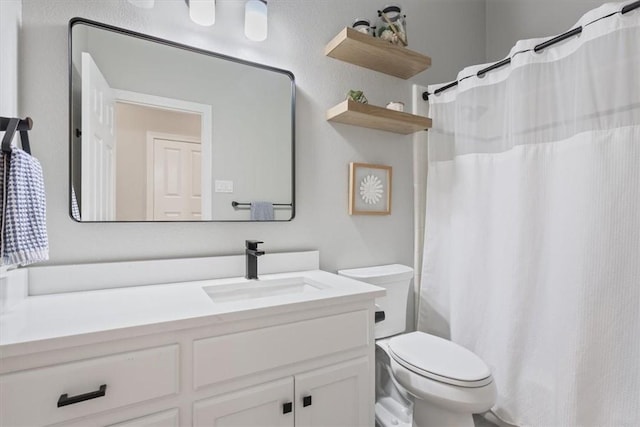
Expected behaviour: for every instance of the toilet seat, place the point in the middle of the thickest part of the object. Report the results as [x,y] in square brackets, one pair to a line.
[439,359]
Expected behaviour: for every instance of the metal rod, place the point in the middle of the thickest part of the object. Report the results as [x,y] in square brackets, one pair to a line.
[630,7]
[443,88]
[236,204]
[502,63]
[24,124]
[538,48]
[557,39]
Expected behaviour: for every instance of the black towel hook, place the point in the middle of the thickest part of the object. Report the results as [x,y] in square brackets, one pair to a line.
[9,132]
[12,124]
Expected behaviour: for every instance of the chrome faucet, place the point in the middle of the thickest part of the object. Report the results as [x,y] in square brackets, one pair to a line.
[252,253]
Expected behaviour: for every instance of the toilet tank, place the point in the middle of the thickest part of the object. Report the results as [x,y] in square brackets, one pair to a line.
[395,278]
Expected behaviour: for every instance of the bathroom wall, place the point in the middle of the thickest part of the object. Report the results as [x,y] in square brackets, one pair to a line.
[10,16]
[512,20]
[452,32]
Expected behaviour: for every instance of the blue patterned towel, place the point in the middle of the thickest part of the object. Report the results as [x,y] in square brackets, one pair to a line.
[23,210]
[262,211]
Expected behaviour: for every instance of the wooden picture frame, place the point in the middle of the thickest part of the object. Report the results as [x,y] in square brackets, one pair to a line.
[369,189]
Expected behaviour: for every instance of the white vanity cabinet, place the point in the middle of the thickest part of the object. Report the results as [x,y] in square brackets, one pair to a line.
[308,372]
[308,368]
[168,356]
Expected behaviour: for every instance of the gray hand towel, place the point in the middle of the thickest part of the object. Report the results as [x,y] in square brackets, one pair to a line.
[262,211]
[23,210]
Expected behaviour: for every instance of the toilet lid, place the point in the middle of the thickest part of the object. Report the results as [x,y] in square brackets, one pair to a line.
[439,359]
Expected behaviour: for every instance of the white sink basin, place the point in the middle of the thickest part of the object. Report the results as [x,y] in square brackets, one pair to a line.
[242,291]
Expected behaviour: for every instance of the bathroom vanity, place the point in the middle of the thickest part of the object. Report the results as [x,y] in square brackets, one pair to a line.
[294,348]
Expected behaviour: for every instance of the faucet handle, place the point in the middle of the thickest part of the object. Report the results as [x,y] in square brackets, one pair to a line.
[252,244]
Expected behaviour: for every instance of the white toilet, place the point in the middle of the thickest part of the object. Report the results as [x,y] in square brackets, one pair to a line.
[421,380]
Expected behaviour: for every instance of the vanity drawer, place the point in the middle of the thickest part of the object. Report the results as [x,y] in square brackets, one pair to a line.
[231,356]
[170,418]
[32,398]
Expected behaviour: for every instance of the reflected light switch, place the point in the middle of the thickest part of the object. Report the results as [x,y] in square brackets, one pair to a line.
[223,186]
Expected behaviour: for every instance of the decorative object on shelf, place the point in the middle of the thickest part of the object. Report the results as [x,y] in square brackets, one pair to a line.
[202,12]
[391,25]
[255,20]
[358,96]
[371,116]
[396,106]
[362,25]
[369,189]
[370,52]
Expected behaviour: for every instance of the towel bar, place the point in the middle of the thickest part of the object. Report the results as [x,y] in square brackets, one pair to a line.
[239,204]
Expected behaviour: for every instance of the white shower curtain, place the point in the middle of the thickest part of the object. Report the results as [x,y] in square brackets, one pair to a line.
[532,242]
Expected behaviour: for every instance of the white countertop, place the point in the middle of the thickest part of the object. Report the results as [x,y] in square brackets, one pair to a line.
[47,322]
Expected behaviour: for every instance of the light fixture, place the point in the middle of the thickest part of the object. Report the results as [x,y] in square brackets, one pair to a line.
[145,4]
[202,12]
[255,20]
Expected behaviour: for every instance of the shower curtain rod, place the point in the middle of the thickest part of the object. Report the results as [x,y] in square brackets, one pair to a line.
[536,49]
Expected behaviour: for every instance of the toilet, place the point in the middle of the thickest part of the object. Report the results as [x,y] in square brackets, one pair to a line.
[421,380]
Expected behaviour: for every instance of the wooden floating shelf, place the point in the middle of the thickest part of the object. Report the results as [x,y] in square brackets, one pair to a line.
[370,116]
[376,54]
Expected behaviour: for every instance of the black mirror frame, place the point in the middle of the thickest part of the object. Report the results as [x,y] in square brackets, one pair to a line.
[73,134]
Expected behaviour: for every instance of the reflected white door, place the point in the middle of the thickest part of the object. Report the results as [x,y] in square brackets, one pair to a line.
[98,145]
[177,179]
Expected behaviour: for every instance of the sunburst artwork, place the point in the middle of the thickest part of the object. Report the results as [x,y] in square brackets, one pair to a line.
[369,189]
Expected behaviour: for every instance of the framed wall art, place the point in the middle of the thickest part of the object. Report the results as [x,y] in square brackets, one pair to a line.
[369,189]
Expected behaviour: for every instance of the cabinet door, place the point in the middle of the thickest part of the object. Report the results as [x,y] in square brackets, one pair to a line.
[268,405]
[335,396]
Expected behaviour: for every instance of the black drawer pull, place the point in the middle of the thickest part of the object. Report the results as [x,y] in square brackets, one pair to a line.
[379,316]
[306,401]
[65,400]
[287,407]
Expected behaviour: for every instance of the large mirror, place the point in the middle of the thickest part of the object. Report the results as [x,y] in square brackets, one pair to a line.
[165,132]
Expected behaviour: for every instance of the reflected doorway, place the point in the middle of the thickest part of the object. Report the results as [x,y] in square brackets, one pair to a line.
[163,166]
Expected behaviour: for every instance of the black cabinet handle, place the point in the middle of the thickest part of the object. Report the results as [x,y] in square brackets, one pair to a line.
[306,401]
[379,316]
[65,400]
[287,407]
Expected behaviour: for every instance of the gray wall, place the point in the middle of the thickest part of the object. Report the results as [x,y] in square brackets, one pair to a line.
[511,20]
[452,32]
[10,14]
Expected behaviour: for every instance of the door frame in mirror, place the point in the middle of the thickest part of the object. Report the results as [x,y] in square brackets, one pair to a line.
[74,134]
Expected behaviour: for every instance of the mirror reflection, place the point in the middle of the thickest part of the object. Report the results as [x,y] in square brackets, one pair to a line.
[164,132]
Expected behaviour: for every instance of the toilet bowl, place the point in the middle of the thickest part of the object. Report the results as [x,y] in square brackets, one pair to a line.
[421,380]
[448,382]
